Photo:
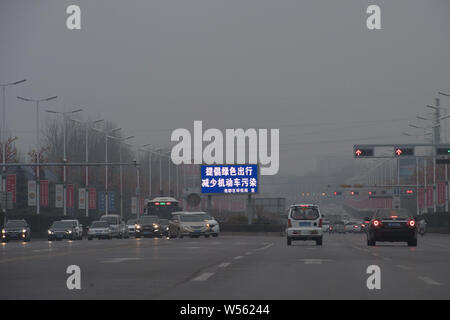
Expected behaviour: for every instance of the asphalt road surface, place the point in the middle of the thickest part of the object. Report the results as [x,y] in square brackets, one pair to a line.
[227,267]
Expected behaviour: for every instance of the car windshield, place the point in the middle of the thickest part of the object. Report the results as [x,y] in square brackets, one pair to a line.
[304,213]
[16,224]
[99,224]
[392,213]
[62,224]
[148,219]
[192,218]
[110,220]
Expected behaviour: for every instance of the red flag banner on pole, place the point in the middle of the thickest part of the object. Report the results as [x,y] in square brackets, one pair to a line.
[43,195]
[441,192]
[92,198]
[70,196]
[11,185]
[430,197]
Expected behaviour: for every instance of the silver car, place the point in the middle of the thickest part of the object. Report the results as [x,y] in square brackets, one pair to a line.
[99,230]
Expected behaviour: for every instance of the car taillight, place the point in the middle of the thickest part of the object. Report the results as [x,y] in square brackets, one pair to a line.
[289,223]
[320,223]
[411,223]
[376,223]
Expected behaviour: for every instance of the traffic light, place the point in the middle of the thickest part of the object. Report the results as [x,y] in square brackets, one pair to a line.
[400,151]
[362,152]
[443,151]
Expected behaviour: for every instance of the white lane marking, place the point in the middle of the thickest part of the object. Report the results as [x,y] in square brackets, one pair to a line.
[375,254]
[403,267]
[238,257]
[313,261]
[118,260]
[387,259]
[248,253]
[429,281]
[193,247]
[224,264]
[203,277]
[42,250]
[265,247]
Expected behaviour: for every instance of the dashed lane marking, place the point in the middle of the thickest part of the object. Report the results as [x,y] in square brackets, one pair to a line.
[204,276]
[429,281]
[224,264]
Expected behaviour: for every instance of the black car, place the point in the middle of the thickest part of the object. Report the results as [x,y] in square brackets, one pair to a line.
[148,226]
[392,225]
[16,230]
[62,230]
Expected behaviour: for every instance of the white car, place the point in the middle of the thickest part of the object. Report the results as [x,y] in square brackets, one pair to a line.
[304,223]
[100,230]
[214,228]
[325,226]
[131,225]
[118,228]
[185,224]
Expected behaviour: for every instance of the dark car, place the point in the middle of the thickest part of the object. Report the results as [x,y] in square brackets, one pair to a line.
[16,230]
[392,225]
[148,226]
[62,230]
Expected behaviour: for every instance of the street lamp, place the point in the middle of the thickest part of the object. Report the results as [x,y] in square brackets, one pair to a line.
[121,170]
[4,139]
[150,152]
[87,159]
[37,101]
[64,115]
[106,163]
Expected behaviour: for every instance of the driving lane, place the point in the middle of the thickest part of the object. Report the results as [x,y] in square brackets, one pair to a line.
[228,267]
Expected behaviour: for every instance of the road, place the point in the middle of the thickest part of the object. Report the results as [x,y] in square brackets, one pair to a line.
[227,267]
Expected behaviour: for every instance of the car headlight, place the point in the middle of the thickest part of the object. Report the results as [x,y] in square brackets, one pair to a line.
[155,225]
[207,225]
[24,230]
[50,231]
[3,231]
[69,231]
[137,226]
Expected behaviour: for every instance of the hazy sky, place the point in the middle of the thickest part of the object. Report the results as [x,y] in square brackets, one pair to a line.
[310,68]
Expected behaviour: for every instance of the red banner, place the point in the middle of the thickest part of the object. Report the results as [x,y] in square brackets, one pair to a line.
[141,205]
[92,198]
[43,193]
[70,196]
[430,203]
[11,185]
[441,192]
[421,195]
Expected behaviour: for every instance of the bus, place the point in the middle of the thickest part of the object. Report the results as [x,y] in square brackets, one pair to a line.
[162,207]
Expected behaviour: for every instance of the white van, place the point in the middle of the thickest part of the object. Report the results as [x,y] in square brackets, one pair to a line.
[304,223]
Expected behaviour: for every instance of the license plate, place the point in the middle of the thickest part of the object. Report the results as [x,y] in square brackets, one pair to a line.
[304,224]
[394,224]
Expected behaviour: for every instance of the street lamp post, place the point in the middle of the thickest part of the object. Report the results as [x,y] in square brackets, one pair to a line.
[86,125]
[121,170]
[64,115]
[3,138]
[106,167]
[37,146]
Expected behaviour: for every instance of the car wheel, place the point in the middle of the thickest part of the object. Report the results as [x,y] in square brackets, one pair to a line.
[370,243]
[319,242]
[206,235]
[89,238]
[4,240]
[215,235]
[179,234]
[289,241]
[412,243]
